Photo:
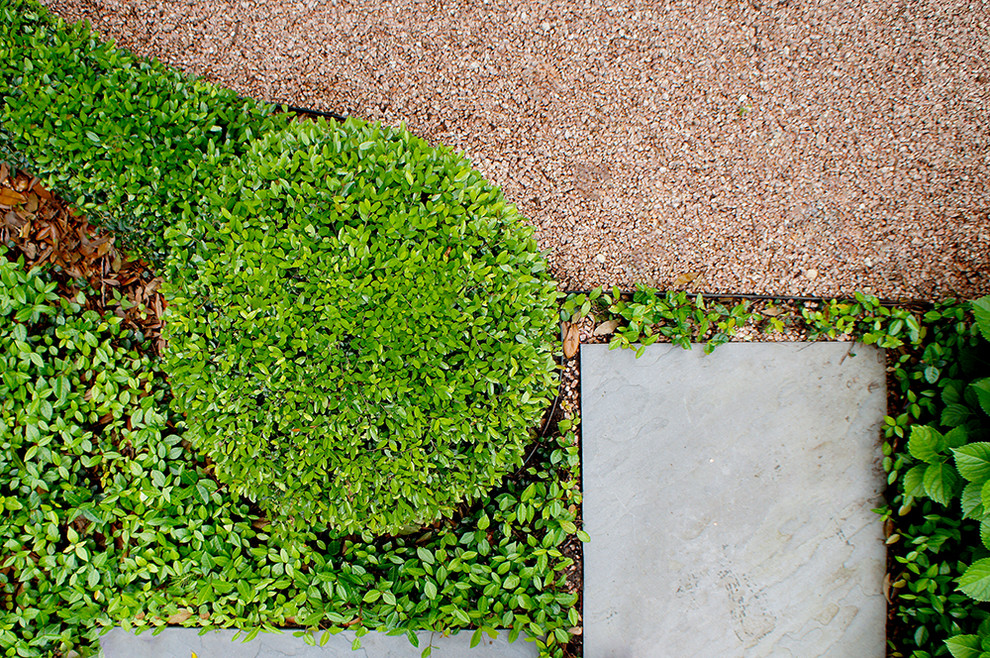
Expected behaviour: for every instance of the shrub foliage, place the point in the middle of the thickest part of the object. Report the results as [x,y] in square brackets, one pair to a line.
[134,143]
[360,329]
[109,517]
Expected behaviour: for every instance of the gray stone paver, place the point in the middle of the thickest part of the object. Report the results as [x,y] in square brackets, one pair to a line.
[182,642]
[729,497]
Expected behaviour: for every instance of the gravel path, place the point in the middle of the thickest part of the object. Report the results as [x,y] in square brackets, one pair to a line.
[781,146]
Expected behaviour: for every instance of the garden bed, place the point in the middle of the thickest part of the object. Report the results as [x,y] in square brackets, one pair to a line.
[116,517]
[46,233]
[83,262]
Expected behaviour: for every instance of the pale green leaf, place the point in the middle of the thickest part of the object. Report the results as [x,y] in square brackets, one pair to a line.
[973,461]
[925,443]
[942,482]
[975,582]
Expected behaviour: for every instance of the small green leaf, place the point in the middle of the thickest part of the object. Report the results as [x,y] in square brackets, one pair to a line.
[942,482]
[982,390]
[964,646]
[973,461]
[955,414]
[914,481]
[925,443]
[975,582]
[956,437]
[981,311]
[425,555]
[972,501]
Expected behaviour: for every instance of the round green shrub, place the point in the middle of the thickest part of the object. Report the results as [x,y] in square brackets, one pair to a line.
[360,330]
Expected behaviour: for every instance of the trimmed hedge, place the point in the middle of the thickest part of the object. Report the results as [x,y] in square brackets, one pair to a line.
[360,329]
[134,143]
[141,148]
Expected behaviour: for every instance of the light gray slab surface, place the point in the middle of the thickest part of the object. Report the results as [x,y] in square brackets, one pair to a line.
[728,497]
[182,642]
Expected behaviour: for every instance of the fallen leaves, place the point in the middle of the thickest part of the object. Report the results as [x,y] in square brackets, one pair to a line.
[47,232]
[180,616]
[607,327]
[9,198]
[572,339]
[682,280]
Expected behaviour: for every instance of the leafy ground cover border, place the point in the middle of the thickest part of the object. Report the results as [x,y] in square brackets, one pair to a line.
[646,315]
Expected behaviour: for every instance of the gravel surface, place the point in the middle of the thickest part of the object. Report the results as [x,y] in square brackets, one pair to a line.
[783,147]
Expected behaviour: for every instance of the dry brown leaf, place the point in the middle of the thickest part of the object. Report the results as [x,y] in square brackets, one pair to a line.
[31,204]
[886,587]
[180,616]
[12,220]
[686,278]
[572,340]
[10,198]
[772,311]
[3,172]
[42,192]
[606,328]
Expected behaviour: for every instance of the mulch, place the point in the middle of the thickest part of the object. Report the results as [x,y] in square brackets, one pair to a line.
[45,231]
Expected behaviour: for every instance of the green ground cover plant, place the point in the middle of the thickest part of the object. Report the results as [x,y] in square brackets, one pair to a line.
[939,475]
[360,329]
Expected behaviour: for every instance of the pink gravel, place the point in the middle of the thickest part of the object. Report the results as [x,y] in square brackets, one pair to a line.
[781,146]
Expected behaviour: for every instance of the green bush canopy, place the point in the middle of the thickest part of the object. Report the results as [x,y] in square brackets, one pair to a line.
[360,329]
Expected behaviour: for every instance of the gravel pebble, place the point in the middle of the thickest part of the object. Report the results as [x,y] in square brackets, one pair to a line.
[770,146]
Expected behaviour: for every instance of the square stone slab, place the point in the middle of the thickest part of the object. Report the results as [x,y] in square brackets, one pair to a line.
[182,642]
[728,498]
